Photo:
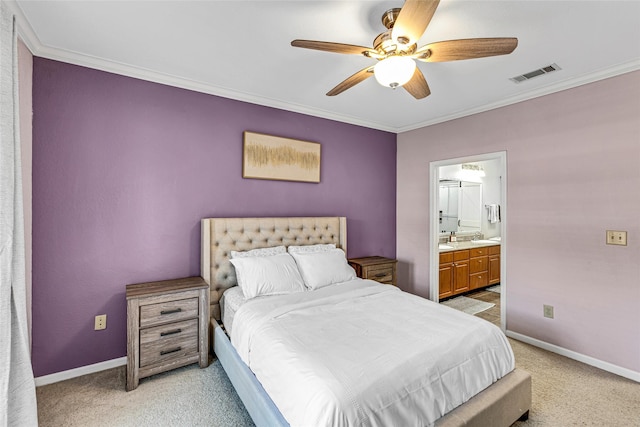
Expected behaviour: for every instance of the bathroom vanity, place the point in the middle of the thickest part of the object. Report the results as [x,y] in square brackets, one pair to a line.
[468,265]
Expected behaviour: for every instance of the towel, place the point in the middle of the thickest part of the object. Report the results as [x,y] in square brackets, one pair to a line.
[494,213]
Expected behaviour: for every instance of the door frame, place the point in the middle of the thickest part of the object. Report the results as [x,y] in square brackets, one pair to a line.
[434,227]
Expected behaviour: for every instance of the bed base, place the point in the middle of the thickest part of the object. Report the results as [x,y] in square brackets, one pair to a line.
[258,403]
[501,404]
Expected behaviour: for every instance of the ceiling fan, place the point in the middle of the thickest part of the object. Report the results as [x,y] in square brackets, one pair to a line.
[396,49]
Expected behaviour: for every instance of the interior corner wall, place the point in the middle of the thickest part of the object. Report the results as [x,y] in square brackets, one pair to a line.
[572,167]
[25,95]
[123,171]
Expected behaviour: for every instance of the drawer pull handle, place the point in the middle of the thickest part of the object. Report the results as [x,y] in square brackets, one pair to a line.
[175,331]
[173,350]
[175,310]
[380,275]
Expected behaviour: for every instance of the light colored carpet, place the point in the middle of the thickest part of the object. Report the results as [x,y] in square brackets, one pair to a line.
[495,289]
[566,393]
[187,396]
[468,305]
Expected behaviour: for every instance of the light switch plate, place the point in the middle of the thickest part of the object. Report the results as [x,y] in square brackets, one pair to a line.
[616,237]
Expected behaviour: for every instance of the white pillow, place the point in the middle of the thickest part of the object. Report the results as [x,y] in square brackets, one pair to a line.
[319,269]
[267,275]
[311,248]
[275,250]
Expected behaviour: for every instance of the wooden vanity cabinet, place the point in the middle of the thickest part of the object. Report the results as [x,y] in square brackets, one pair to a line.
[454,273]
[460,271]
[468,269]
[494,265]
[446,275]
[479,267]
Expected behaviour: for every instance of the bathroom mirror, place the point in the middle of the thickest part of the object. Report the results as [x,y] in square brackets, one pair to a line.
[460,206]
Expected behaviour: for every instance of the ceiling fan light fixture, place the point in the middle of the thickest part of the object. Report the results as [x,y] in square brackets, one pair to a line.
[396,50]
[394,71]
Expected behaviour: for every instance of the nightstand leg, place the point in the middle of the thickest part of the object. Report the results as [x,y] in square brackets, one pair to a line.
[133,348]
[203,332]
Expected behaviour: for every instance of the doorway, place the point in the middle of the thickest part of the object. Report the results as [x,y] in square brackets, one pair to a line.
[494,193]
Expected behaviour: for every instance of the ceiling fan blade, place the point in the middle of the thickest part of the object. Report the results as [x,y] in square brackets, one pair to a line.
[453,50]
[333,47]
[417,86]
[349,82]
[413,19]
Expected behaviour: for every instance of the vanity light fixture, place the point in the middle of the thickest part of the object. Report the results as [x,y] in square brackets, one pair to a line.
[472,171]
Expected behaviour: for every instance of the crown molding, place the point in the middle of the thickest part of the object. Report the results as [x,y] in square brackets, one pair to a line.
[31,40]
[183,83]
[25,30]
[602,74]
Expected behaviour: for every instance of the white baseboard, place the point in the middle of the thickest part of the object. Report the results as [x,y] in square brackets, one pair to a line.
[605,366]
[78,372]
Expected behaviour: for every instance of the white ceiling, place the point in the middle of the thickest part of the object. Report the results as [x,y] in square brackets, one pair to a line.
[241,50]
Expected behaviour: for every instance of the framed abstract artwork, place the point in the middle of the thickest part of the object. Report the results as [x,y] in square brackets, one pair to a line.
[277,158]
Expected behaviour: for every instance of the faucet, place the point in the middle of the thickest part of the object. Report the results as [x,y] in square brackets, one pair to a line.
[477,235]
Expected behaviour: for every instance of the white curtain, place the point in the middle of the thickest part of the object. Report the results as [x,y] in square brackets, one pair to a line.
[17,386]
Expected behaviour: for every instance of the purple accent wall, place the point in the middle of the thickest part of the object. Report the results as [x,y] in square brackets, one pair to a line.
[123,171]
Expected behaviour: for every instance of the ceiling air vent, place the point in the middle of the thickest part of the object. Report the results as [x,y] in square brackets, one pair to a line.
[535,73]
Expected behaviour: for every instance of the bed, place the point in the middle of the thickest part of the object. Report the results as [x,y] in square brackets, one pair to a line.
[283,326]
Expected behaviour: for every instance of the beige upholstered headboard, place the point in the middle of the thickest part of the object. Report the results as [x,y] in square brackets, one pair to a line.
[220,236]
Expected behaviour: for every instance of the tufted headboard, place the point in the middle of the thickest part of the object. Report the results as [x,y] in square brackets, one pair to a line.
[220,236]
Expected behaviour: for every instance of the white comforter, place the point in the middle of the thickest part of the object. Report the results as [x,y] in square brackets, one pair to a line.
[364,354]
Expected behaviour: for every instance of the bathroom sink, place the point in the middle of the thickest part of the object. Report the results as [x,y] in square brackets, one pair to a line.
[478,242]
[441,246]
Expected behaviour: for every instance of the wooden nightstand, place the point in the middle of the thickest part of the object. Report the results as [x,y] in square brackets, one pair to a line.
[375,268]
[167,326]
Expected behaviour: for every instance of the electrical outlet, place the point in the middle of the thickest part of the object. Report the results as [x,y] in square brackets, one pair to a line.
[101,322]
[616,237]
[548,311]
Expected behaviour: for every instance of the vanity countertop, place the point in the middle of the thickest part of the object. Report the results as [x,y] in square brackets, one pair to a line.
[467,244]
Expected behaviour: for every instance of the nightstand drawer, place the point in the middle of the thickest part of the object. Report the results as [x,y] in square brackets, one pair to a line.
[157,314]
[376,268]
[188,328]
[383,274]
[170,341]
